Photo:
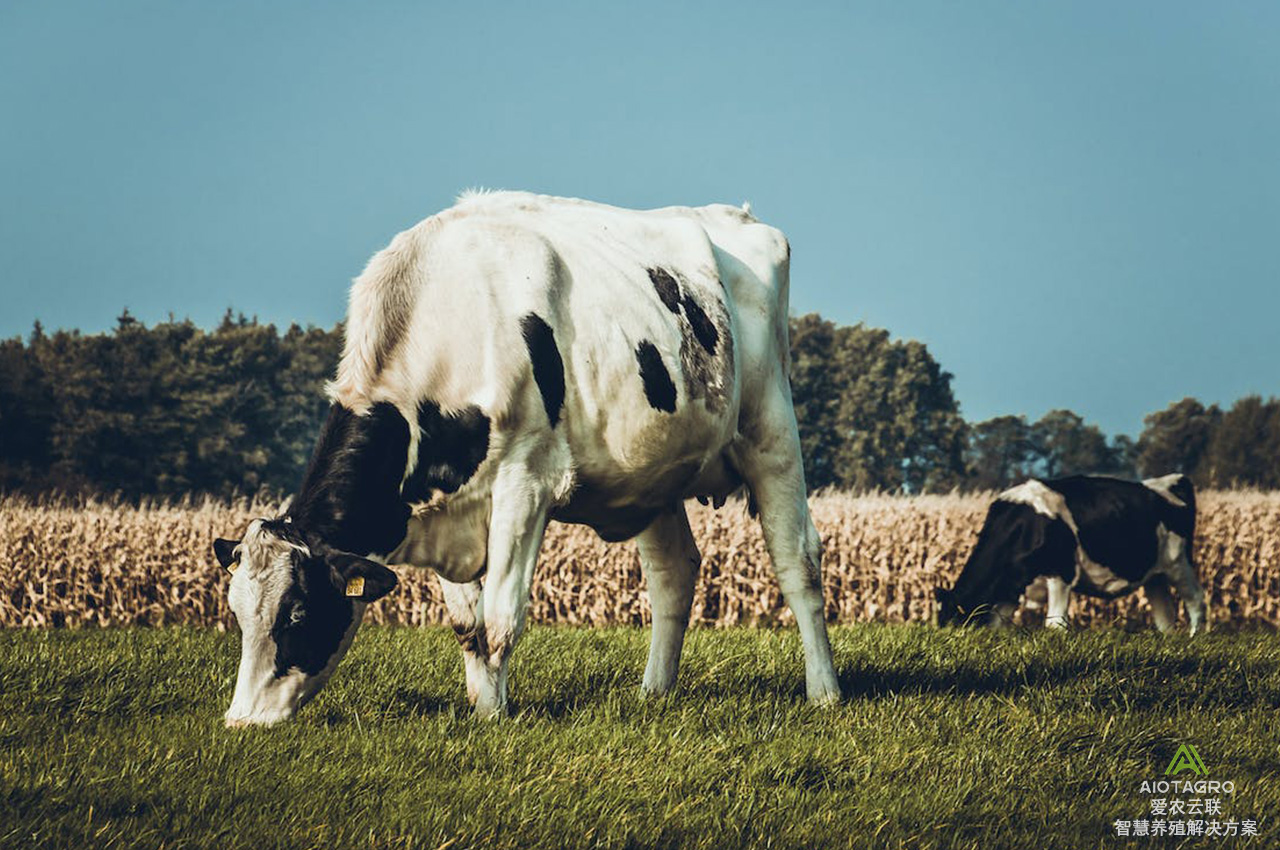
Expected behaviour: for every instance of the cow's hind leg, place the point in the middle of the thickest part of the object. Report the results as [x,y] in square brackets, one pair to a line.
[1056,614]
[516,526]
[670,559]
[1184,578]
[465,603]
[774,472]
[1164,610]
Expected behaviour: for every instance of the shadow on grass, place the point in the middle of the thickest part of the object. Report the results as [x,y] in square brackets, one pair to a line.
[864,681]
[1099,678]
[1140,687]
[414,703]
[1198,682]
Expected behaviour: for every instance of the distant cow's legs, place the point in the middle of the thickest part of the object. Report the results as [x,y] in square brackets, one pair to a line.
[670,559]
[1059,603]
[518,520]
[774,473]
[465,603]
[1164,610]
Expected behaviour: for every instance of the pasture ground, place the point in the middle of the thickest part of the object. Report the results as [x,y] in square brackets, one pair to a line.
[113,738]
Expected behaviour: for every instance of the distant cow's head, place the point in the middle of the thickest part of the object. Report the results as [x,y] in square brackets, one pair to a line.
[949,611]
[957,609]
[298,604]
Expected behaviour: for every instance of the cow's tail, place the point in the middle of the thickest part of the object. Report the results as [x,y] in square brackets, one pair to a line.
[378,317]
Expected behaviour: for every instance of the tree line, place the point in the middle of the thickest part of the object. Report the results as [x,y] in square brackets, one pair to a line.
[174,409]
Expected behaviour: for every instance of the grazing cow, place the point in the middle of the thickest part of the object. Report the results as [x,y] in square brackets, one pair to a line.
[517,359]
[1098,536]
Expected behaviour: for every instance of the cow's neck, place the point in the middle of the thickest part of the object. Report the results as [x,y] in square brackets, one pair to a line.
[350,494]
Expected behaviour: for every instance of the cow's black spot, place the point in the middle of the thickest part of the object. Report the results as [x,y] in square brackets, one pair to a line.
[1116,521]
[1181,520]
[667,288]
[351,499]
[704,330]
[450,450]
[658,388]
[350,493]
[548,368]
[312,620]
[1184,490]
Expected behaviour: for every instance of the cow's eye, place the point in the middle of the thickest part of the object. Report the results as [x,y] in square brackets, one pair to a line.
[296,615]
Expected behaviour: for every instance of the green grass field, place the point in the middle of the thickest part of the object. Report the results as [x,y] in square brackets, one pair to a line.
[946,739]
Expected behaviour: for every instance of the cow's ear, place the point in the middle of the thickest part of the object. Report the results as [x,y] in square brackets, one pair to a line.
[359,577]
[225,551]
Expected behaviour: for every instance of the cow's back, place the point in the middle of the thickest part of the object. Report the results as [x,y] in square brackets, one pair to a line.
[666,325]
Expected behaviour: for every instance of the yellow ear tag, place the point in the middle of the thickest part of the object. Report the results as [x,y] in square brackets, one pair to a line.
[355,586]
[235,565]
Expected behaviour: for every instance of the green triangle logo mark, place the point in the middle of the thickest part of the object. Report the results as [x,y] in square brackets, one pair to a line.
[1186,758]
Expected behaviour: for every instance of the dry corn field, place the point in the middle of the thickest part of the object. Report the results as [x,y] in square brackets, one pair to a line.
[100,564]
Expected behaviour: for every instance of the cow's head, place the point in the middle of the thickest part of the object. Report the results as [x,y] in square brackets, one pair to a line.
[298,604]
[1016,544]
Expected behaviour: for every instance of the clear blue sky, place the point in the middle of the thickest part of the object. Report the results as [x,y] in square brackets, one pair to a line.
[1074,205]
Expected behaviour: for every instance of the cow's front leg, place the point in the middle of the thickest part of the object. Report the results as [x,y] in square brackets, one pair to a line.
[670,559]
[465,603]
[1059,603]
[518,520]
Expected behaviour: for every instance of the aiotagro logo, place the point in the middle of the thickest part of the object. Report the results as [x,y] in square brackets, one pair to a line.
[1186,758]
[1186,807]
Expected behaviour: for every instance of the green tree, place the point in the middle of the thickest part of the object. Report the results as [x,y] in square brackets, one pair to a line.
[1066,445]
[1177,439]
[1245,447]
[815,392]
[1007,450]
[26,414]
[170,409]
[874,412]
[1000,453]
[1124,456]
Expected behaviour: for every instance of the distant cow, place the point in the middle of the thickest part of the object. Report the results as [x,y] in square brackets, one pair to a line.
[1097,536]
[517,359]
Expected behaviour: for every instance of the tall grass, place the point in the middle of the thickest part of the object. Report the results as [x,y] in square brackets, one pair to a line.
[102,563]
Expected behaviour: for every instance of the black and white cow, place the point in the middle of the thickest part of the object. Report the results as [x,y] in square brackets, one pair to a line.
[517,359]
[1098,536]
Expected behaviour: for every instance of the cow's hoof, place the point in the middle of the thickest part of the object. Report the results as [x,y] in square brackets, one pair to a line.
[486,710]
[656,691]
[824,697]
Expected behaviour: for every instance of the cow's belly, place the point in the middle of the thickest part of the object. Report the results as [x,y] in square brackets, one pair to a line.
[1108,580]
[1102,587]
[1098,580]
[621,506]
